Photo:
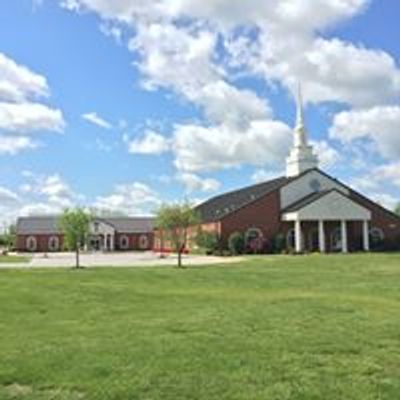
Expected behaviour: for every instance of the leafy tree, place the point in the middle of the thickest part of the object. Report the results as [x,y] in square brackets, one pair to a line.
[207,241]
[397,209]
[74,225]
[9,237]
[236,243]
[174,222]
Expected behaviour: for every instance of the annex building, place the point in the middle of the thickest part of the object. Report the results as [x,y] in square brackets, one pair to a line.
[42,234]
[308,208]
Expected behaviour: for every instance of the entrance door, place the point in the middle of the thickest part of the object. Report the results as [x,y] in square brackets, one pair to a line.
[313,240]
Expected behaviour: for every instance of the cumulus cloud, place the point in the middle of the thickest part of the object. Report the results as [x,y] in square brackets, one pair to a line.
[150,143]
[378,124]
[18,83]
[200,148]
[20,112]
[95,119]
[193,183]
[13,145]
[132,198]
[29,117]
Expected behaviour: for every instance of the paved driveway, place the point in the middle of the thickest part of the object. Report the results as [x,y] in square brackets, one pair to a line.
[123,259]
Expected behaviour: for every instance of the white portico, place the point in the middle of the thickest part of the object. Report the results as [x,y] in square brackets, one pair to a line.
[324,206]
[101,235]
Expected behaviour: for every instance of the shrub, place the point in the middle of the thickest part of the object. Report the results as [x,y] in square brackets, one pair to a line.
[236,243]
[279,243]
[207,241]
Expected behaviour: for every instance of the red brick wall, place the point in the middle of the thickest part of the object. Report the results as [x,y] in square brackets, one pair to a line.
[41,240]
[134,239]
[263,214]
[381,218]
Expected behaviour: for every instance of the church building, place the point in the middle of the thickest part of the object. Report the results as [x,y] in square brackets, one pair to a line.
[307,208]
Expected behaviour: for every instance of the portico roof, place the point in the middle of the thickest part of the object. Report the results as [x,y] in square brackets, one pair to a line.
[326,205]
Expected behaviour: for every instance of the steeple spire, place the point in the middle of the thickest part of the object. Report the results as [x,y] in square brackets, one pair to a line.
[302,157]
[300,139]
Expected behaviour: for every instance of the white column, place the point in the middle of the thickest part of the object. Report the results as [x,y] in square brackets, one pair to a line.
[112,242]
[321,236]
[297,237]
[366,235]
[344,236]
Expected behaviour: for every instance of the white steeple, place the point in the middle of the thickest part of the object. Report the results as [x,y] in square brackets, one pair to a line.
[302,157]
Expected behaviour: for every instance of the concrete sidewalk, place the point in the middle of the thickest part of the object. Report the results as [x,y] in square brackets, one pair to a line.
[122,259]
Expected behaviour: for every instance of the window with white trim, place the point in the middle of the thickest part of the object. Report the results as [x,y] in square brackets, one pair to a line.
[53,243]
[123,242]
[31,243]
[376,237]
[143,242]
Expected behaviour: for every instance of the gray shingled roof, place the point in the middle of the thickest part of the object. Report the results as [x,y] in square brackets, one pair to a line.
[222,205]
[49,224]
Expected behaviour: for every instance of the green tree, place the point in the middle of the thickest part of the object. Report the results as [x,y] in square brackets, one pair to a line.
[8,238]
[236,243]
[74,224]
[397,209]
[173,222]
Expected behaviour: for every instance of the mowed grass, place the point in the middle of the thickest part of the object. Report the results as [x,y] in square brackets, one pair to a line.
[306,327]
[13,259]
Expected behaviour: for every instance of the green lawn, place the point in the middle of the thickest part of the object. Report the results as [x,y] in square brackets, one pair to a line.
[306,327]
[13,259]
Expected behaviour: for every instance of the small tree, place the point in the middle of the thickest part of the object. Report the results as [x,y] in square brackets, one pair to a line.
[207,241]
[236,243]
[397,209]
[173,222]
[74,225]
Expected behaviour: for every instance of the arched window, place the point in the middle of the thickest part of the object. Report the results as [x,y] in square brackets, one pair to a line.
[54,243]
[254,239]
[376,237]
[124,242]
[143,242]
[31,243]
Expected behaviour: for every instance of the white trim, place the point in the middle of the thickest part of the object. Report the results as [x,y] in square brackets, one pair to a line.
[53,243]
[124,242]
[143,242]
[31,243]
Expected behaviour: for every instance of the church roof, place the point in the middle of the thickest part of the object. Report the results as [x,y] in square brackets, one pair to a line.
[48,224]
[222,205]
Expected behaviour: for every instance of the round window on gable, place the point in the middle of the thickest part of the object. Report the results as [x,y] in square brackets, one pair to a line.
[31,243]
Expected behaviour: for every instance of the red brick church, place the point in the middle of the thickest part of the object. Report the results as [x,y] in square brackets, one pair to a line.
[308,208]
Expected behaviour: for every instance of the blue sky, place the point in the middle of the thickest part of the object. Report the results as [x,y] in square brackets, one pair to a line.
[122,105]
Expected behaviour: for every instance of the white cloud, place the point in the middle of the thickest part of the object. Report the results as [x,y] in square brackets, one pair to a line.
[95,119]
[199,148]
[328,156]
[150,143]
[29,117]
[378,124]
[20,112]
[18,83]
[8,197]
[13,145]
[263,175]
[195,183]
[51,190]
[134,199]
